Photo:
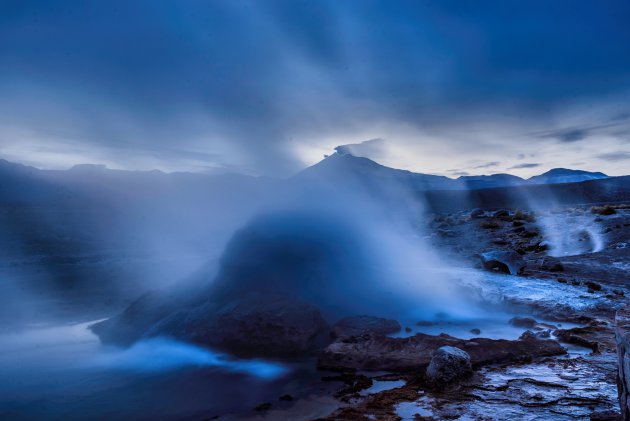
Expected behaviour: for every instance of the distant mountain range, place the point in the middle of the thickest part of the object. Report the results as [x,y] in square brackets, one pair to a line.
[563,175]
[21,183]
[339,166]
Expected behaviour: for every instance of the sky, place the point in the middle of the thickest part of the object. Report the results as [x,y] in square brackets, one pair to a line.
[268,87]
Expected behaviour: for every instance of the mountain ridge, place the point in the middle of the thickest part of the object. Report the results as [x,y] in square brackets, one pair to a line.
[18,179]
[339,165]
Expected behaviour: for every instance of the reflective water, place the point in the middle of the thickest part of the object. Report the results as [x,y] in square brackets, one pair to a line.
[381,386]
[63,372]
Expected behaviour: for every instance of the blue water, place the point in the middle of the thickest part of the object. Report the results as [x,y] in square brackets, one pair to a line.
[63,372]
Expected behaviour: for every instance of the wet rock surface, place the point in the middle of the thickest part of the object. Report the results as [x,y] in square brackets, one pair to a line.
[549,389]
[622,339]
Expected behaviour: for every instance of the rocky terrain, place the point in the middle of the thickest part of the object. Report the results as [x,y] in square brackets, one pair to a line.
[527,278]
[531,383]
[559,360]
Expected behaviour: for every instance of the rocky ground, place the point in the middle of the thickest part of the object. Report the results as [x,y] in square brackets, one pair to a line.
[562,273]
[579,382]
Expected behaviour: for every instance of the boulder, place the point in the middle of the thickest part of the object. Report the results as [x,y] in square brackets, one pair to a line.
[603,210]
[502,213]
[252,327]
[551,264]
[503,261]
[526,322]
[359,325]
[593,285]
[447,364]
[489,224]
[477,213]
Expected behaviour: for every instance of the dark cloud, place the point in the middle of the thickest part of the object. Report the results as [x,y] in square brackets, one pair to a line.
[458,173]
[621,117]
[615,156]
[524,165]
[569,135]
[574,134]
[243,82]
[488,165]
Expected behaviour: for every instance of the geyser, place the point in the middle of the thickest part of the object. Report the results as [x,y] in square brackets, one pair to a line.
[345,257]
[321,258]
[570,235]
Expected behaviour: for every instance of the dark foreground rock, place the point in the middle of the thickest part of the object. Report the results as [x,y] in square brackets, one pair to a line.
[503,261]
[377,352]
[622,336]
[526,322]
[596,335]
[448,364]
[273,327]
[359,325]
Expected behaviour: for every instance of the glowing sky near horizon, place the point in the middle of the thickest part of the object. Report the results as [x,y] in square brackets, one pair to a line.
[268,87]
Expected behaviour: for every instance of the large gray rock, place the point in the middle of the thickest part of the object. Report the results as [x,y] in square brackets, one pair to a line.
[448,363]
[359,325]
[503,261]
[254,327]
[622,336]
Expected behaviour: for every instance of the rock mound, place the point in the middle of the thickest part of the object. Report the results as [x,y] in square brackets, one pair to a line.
[254,327]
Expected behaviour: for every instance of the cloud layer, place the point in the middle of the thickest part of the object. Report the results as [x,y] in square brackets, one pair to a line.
[268,87]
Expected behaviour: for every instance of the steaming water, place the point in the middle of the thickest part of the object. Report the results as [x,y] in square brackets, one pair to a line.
[496,291]
[489,299]
[570,235]
[159,355]
[62,372]
[493,326]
